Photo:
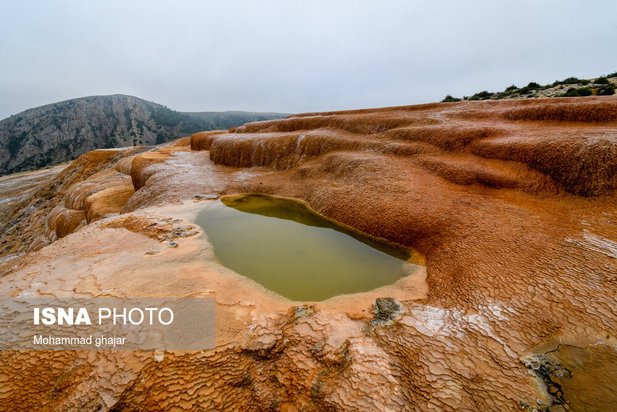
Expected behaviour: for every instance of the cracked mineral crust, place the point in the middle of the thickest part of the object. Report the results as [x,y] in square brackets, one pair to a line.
[512,205]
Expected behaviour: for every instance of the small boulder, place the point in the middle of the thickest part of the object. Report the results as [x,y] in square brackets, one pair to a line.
[386,312]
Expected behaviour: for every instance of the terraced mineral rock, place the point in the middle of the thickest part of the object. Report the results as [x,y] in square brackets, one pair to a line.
[512,204]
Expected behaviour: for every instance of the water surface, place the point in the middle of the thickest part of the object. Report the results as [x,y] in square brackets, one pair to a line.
[292,250]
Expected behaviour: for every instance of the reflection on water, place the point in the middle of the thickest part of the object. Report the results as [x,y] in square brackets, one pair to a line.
[592,380]
[578,378]
[291,250]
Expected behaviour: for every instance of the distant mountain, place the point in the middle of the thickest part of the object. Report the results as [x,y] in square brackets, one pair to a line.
[58,132]
[227,120]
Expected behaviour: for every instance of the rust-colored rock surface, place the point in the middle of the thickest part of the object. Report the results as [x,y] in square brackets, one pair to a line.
[31,213]
[512,204]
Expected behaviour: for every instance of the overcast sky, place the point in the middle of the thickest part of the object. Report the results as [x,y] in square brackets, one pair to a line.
[295,56]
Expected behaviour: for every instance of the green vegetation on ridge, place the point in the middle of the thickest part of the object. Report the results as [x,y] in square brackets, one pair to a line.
[570,87]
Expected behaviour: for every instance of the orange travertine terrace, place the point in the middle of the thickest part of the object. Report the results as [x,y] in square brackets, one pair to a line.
[512,203]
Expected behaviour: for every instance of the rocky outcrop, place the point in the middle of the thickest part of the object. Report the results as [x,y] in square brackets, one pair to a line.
[515,216]
[59,132]
[67,201]
[548,136]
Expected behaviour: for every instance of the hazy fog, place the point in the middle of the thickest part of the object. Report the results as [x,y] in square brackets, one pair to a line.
[294,56]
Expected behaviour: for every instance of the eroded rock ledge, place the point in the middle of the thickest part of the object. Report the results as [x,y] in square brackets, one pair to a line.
[512,204]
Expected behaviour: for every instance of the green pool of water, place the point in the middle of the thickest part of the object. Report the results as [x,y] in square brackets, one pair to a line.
[297,253]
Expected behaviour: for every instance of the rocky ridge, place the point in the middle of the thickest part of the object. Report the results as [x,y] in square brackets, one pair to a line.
[59,132]
[570,87]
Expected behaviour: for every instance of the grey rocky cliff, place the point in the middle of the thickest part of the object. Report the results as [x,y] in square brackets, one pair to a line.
[59,132]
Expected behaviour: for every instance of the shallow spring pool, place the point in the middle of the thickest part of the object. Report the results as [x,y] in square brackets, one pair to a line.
[292,250]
